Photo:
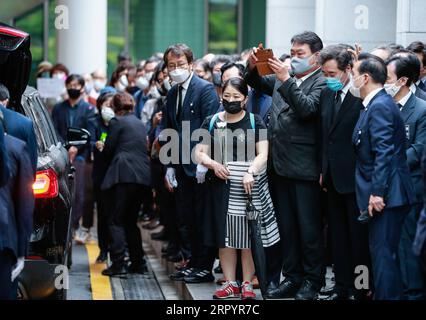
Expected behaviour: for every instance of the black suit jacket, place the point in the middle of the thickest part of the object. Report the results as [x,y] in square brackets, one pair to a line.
[380,146]
[17,200]
[4,159]
[85,119]
[414,116]
[201,101]
[126,152]
[420,93]
[293,127]
[337,152]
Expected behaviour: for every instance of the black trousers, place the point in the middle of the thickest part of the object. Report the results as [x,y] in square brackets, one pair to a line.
[7,261]
[123,217]
[102,205]
[89,199]
[348,237]
[300,224]
[413,277]
[384,232]
[190,209]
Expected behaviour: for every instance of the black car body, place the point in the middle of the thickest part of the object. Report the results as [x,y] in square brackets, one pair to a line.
[44,274]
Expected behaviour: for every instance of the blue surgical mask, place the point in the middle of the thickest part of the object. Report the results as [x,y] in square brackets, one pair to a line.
[300,65]
[334,84]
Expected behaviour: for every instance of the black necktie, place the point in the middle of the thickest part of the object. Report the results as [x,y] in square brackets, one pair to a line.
[400,106]
[179,107]
[337,103]
[422,85]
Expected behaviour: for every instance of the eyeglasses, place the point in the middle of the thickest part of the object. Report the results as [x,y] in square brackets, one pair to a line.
[171,67]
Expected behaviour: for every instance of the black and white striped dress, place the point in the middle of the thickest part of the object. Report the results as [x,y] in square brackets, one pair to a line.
[237,228]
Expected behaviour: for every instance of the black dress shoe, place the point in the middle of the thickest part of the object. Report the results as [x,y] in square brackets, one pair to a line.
[164,248]
[287,289]
[327,291]
[335,297]
[218,269]
[152,225]
[138,269]
[308,291]
[199,276]
[115,270]
[176,257]
[159,236]
[181,274]
[103,257]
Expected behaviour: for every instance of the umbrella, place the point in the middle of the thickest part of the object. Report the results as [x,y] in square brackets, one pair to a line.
[258,252]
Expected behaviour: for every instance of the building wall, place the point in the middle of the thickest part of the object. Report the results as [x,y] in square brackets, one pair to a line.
[284,18]
[411,25]
[368,22]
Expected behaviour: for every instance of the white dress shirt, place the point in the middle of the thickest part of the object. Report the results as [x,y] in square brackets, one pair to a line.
[403,101]
[301,80]
[370,97]
[184,86]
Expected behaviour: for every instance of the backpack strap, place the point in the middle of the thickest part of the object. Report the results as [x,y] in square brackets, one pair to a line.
[216,116]
[213,121]
[252,121]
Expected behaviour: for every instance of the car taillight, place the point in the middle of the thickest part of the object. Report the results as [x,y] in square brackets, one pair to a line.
[46,184]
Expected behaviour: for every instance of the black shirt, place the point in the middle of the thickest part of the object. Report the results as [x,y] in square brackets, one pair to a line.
[240,139]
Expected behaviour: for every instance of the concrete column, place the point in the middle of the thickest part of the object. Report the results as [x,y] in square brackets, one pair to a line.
[368,22]
[82,34]
[411,24]
[285,18]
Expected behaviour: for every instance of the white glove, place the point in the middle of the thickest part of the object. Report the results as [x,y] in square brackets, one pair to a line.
[17,269]
[171,177]
[201,173]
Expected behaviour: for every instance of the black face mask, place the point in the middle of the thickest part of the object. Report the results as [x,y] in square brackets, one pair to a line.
[74,93]
[217,79]
[233,107]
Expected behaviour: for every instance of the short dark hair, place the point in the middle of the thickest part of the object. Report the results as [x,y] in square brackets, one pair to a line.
[230,65]
[220,58]
[59,67]
[161,66]
[123,56]
[310,38]
[408,67]
[419,48]
[238,84]
[123,101]
[339,53]
[285,56]
[102,98]
[374,66]
[178,50]
[204,64]
[77,77]
[4,92]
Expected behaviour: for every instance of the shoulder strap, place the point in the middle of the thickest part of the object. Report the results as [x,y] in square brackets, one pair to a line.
[212,121]
[252,121]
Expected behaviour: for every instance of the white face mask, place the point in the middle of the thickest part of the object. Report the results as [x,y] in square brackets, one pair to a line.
[356,92]
[167,84]
[179,75]
[107,114]
[59,75]
[99,84]
[142,83]
[122,83]
[392,89]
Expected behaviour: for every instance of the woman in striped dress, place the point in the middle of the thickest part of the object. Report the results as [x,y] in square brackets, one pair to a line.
[235,152]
